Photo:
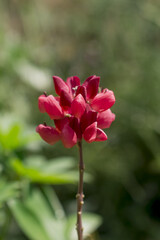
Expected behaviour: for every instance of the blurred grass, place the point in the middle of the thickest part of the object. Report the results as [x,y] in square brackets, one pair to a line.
[120,41]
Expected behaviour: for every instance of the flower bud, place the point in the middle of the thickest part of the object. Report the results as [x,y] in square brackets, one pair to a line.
[60,85]
[92,87]
[73,83]
[41,101]
[53,108]
[78,106]
[48,134]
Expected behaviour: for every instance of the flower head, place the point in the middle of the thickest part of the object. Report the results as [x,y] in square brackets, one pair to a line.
[79,111]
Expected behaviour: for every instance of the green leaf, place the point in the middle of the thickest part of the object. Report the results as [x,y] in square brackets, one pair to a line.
[35,217]
[59,165]
[54,202]
[28,222]
[53,226]
[8,190]
[40,175]
[10,139]
[90,224]
[13,135]
[36,162]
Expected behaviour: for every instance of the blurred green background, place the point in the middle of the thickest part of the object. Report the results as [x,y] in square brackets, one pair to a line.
[118,40]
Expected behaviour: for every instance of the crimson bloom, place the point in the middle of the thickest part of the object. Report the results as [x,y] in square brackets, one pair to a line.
[79,111]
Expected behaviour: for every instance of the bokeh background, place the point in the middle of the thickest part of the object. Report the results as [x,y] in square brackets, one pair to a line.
[118,40]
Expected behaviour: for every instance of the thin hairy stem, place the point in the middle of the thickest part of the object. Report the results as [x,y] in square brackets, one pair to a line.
[80,195]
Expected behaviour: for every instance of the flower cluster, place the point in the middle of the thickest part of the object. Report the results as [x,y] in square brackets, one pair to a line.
[79,111]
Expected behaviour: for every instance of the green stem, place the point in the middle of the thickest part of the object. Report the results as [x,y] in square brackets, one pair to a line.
[80,195]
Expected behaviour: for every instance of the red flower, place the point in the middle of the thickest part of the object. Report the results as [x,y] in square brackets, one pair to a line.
[103,101]
[105,118]
[50,105]
[78,106]
[49,134]
[80,111]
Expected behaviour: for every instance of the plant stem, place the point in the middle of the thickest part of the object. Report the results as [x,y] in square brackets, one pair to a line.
[80,195]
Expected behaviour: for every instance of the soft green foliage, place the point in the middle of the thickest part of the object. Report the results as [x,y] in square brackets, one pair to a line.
[56,171]
[8,190]
[39,220]
[118,40]
[38,212]
[13,135]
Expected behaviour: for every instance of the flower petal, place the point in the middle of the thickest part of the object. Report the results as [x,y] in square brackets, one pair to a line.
[53,108]
[103,101]
[101,136]
[73,82]
[65,100]
[82,90]
[48,134]
[60,123]
[60,85]
[57,99]
[88,118]
[68,136]
[92,87]
[75,125]
[41,101]
[78,106]
[104,119]
[90,133]
[87,80]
